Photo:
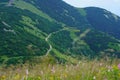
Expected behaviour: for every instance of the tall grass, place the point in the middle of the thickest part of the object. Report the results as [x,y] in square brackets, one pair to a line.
[83,70]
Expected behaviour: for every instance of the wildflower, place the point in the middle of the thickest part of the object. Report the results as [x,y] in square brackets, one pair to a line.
[27,72]
[49,65]
[105,79]
[26,77]
[101,64]
[53,70]
[94,78]
[18,70]
[119,66]
[41,72]
[109,70]
[66,66]
[79,62]
[110,67]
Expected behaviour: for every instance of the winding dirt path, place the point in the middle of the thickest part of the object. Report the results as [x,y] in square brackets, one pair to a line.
[47,40]
[50,46]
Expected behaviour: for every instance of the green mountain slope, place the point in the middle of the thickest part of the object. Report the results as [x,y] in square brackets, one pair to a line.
[61,11]
[30,28]
[23,32]
[104,20]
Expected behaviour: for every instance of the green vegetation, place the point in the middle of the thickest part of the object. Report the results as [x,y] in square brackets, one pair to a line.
[23,36]
[62,58]
[61,41]
[51,40]
[61,12]
[33,28]
[82,11]
[83,70]
[94,40]
[26,6]
[104,21]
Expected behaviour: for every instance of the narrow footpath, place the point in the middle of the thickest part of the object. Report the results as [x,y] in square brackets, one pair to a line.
[47,40]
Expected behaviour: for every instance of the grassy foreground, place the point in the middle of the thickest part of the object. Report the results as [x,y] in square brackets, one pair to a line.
[83,70]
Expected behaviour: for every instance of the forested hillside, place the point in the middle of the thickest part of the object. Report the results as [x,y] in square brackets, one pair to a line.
[30,28]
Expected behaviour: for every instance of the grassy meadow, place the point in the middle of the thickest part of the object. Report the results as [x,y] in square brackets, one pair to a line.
[104,69]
